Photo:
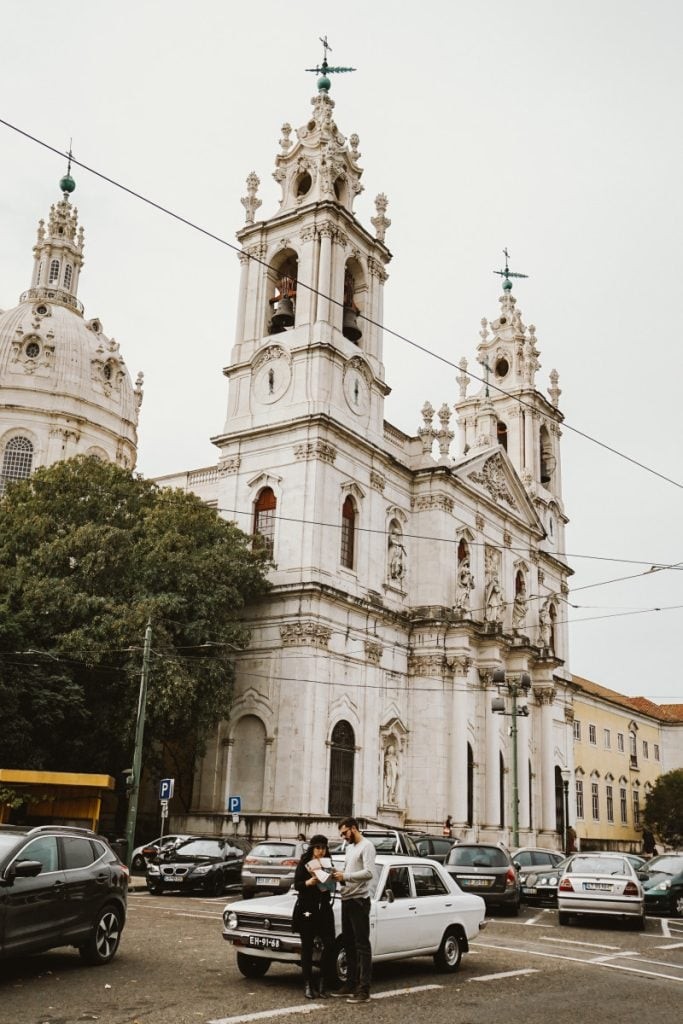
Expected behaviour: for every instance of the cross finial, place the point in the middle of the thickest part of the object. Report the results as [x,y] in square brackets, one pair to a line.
[324,69]
[507,273]
[326,46]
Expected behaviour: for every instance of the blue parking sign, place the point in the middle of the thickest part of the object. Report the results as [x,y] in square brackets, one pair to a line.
[166,789]
[234,804]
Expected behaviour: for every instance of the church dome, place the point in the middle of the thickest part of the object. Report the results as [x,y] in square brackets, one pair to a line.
[64,387]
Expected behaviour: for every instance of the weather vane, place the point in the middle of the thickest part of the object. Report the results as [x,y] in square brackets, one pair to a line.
[507,273]
[324,69]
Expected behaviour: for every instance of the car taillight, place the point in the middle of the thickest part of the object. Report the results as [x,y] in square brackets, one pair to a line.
[566,885]
[289,863]
[630,889]
[510,878]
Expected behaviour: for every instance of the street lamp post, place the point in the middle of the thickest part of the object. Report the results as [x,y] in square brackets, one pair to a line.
[517,686]
[565,773]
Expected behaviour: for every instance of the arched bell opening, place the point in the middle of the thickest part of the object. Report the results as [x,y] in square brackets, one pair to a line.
[502,434]
[282,278]
[547,456]
[355,289]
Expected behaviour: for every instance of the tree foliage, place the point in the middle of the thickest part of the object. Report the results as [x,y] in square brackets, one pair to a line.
[88,554]
[664,808]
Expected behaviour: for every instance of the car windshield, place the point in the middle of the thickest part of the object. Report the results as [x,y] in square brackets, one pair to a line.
[665,865]
[274,850]
[597,866]
[7,842]
[478,857]
[201,848]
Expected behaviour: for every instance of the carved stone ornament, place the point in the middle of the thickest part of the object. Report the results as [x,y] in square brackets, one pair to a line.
[493,479]
[426,665]
[373,651]
[425,502]
[459,665]
[377,481]
[479,521]
[568,713]
[315,450]
[305,633]
[544,694]
[266,354]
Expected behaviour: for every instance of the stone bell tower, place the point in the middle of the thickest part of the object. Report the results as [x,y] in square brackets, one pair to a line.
[308,340]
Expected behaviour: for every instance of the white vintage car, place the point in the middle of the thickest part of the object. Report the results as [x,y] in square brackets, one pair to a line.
[416,910]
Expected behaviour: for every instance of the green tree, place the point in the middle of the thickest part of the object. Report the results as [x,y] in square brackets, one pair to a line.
[88,553]
[663,812]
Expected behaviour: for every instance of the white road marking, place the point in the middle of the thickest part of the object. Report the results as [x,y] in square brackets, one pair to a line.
[244,1018]
[504,974]
[532,920]
[576,942]
[578,960]
[613,956]
[674,945]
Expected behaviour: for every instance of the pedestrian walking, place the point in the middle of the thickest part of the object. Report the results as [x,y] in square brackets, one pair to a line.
[355,881]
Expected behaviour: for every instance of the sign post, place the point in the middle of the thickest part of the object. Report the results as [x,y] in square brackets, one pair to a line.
[166,787]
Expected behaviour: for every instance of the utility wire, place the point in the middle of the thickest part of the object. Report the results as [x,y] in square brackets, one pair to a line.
[401,337]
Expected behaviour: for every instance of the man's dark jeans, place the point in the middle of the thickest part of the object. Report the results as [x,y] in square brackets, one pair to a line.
[356,938]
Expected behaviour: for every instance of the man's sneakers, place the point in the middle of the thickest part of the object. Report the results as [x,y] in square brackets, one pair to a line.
[359,997]
[342,993]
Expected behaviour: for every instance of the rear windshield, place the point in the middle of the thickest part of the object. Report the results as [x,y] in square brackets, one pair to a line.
[478,857]
[201,848]
[274,850]
[597,866]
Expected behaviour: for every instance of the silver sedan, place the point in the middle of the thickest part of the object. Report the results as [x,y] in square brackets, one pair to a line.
[601,884]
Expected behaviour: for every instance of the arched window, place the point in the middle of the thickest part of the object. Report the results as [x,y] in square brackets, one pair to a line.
[54,272]
[68,275]
[282,302]
[17,461]
[502,434]
[342,754]
[348,537]
[264,519]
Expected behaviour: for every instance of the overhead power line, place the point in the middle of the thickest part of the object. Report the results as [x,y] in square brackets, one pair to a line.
[395,334]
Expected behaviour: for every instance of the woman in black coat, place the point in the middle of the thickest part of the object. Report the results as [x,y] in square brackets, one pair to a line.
[314,918]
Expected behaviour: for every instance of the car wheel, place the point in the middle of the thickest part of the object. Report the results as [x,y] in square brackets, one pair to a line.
[340,965]
[247,894]
[103,941]
[639,923]
[154,889]
[252,966]
[449,956]
[677,903]
[138,862]
[562,917]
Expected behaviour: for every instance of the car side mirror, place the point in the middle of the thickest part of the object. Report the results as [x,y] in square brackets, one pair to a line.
[26,869]
[389,895]
[642,875]
[516,865]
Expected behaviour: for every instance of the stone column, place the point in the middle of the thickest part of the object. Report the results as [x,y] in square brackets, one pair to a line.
[546,696]
[242,298]
[492,764]
[456,793]
[305,297]
[324,275]
[523,771]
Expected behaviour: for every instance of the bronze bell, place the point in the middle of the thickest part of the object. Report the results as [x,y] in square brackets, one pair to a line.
[350,328]
[283,316]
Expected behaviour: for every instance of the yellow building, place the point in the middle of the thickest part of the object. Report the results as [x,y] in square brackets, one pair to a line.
[64,798]
[619,747]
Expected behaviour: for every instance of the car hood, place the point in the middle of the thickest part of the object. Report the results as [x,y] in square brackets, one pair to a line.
[653,880]
[277,906]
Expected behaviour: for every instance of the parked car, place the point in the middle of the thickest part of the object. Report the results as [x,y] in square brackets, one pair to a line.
[435,847]
[488,870]
[662,879]
[390,840]
[540,885]
[205,864]
[416,910]
[269,867]
[137,861]
[600,884]
[527,857]
[60,886]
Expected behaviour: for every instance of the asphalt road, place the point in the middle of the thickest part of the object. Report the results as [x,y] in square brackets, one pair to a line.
[173,967]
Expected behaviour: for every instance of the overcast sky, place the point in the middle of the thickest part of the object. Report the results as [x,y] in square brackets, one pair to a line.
[547,127]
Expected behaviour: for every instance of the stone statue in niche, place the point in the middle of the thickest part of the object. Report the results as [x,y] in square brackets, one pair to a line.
[390,772]
[520,606]
[544,625]
[397,554]
[465,585]
[494,600]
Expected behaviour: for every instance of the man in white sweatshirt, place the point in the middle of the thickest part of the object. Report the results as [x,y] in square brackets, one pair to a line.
[355,881]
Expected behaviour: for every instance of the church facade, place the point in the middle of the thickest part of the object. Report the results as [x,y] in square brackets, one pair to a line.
[419,582]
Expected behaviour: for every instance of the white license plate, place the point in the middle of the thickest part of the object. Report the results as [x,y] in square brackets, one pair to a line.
[263,942]
[267,881]
[173,878]
[529,890]
[597,887]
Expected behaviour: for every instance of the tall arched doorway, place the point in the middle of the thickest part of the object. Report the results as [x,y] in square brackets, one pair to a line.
[247,765]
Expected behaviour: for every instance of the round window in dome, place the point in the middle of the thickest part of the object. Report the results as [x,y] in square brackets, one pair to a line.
[41,310]
[502,367]
[33,349]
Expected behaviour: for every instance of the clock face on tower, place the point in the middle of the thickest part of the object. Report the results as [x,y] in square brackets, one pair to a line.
[271,376]
[356,391]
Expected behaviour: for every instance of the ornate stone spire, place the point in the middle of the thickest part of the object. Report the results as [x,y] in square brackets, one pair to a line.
[58,252]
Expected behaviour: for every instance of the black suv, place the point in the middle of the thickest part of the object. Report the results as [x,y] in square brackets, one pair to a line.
[60,886]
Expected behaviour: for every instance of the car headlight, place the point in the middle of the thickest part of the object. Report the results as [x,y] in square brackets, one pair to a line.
[231,919]
[662,887]
[553,880]
[202,869]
